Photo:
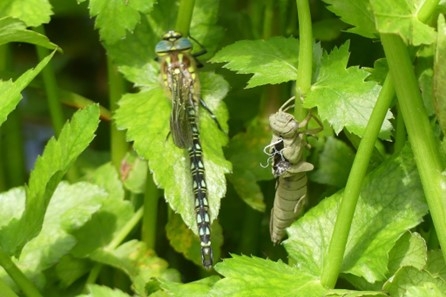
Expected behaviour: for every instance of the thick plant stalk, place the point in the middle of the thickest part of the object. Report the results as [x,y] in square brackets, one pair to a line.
[338,242]
[421,137]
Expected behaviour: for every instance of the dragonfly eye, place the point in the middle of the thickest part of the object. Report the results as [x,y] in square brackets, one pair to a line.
[183,44]
[173,41]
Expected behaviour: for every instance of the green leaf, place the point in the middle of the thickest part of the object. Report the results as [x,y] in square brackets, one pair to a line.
[436,264]
[69,269]
[196,289]
[334,163]
[245,276]
[134,173]
[49,169]
[12,30]
[401,18]
[356,13]
[101,291]
[32,12]
[12,205]
[439,76]
[11,92]
[145,115]
[272,61]
[411,282]
[69,209]
[409,250]
[116,18]
[245,151]
[350,293]
[342,96]
[391,202]
[138,262]
[184,241]
[113,215]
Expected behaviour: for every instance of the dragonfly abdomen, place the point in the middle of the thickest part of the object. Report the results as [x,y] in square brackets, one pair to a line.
[289,202]
[201,204]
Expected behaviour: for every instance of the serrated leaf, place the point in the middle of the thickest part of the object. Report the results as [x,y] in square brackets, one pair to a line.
[32,12]
[184,241]
[342,96]
[196,288]
[439,76]
[11,92]
[12,30]
[252,276]
[138,262]
[115,18]
[391,202]
[145,115]
[411,282]
[272,61]
[245,151]
[409,250]
[334,163]
[401,18]
[102,291]
[356,13]
[49,169]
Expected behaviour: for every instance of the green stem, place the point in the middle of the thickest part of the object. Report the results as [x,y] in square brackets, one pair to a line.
[184,16]
[14,154]
[126,229]
[118,144]
[333,260]
[116,241]
[150,213]
[421,137]
[268,20]
[49,80]
[305,69]
[3,184]
[4,58]
[400,132]
[17,275]
[427,10]
[6,290]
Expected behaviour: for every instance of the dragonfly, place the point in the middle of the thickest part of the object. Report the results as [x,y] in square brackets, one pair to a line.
[285,152]
[179,73]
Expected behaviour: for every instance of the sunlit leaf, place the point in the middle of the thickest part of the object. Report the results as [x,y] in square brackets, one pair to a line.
[115,18]
[245,276]
[145,115]
[272,61]
[355,13]
[32,12]
[342,96]
[401,17]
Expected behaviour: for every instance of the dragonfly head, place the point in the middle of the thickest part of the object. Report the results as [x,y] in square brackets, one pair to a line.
[173,41]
